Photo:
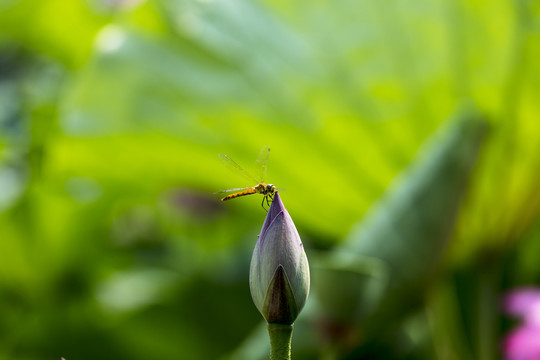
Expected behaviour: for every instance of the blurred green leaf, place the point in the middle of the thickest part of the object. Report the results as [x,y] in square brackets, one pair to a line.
[408,230]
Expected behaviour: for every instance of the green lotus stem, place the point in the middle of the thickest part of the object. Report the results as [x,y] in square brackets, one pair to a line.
[280,341]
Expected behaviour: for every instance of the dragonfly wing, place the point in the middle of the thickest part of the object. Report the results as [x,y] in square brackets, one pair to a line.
[262,162]
[230,190]
[229,163]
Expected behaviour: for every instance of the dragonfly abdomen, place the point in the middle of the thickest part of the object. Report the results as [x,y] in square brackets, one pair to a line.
[241,193]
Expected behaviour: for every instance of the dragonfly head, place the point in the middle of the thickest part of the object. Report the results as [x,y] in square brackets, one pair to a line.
[270,188]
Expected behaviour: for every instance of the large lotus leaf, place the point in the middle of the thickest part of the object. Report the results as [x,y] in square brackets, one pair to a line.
[409,228]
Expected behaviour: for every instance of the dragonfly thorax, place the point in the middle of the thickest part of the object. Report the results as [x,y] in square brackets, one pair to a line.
[265,189]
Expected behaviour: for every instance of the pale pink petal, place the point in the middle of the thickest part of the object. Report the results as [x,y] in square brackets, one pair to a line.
[522,301]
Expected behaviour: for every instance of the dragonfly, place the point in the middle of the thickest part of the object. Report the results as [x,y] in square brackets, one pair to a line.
[267,190]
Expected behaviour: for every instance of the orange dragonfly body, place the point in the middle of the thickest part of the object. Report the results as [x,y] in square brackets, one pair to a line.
[267,190]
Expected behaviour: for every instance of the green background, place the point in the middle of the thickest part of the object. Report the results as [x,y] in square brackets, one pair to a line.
[112,114]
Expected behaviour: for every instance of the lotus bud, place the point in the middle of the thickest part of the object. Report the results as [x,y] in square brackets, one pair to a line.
[279,272]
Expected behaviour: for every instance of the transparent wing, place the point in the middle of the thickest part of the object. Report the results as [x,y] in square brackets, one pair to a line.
[262,162]
[230,164]
[230,190]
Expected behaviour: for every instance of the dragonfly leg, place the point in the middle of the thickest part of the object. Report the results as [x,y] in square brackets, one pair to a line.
[262,203]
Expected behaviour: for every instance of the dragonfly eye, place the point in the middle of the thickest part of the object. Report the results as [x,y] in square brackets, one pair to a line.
[271,187]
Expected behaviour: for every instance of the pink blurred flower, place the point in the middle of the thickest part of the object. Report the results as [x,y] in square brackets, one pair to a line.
[523,343]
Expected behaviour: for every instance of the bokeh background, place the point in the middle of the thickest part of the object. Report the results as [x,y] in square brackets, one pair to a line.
[406,134]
